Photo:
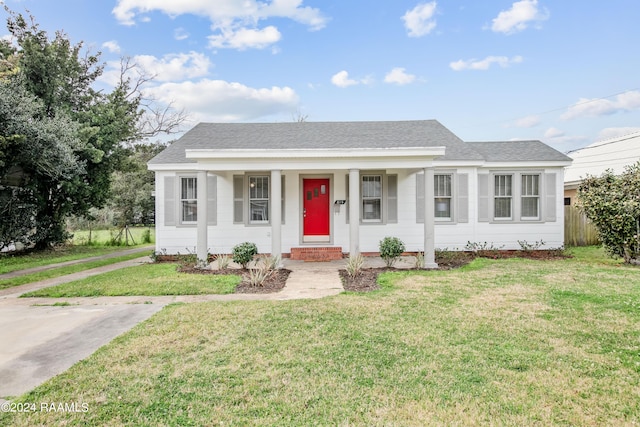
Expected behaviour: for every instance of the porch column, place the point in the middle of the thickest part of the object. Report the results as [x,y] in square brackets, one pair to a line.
[276,213]
[429,220]
[354,212]
[201,241]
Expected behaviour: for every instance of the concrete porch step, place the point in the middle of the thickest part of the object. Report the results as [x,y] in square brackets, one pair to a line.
[317,254]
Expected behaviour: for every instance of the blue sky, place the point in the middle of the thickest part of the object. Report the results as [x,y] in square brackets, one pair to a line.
[564,72]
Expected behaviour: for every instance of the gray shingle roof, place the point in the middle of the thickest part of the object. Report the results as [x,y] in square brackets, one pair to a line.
[517,151]
[381,134]
[309,135]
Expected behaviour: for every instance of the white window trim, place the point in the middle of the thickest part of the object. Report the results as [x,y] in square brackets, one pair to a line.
[381,198]
[537,197]
[249,199]
[181,220]
[452,198]
[516,196]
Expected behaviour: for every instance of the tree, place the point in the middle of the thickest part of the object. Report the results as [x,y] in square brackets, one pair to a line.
[64,163]
[38,167]
[612,203]
[132,185]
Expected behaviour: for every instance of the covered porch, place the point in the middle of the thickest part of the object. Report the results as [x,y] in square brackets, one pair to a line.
[315,192]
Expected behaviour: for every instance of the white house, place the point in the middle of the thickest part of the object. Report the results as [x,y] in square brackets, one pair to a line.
[595,159]
[341,187]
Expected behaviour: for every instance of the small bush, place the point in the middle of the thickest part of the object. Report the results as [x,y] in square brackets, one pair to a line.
[243,253]
[390,250]
[223,261]
[526,246]
[257,276]
[354,265]
[271,262]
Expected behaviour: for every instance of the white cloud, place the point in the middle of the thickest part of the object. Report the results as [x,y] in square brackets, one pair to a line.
[341,79]
[519,17]
[112,46]
[597,107]
[419,20]
[171,67]
[180,34]
[527,122]
[609,133]
[234,22]
[485,64]
[218,100]
[245,38]
[399,76]
[554,133]
[175,67]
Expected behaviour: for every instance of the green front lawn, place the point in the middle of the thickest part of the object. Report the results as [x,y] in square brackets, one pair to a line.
[500,342]
[146,279]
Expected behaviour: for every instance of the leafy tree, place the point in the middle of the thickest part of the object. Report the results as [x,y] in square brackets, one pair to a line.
[65,161]
[38,165]
[131,187]
[612,203]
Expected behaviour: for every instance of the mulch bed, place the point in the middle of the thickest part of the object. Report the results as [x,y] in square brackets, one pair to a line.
[366,280]
[273,283]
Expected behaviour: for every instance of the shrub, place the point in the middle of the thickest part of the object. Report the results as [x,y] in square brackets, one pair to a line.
[354,265]
[390,250]
[612,205]
[243,253]
[527,247]
[223,261]
[419,263]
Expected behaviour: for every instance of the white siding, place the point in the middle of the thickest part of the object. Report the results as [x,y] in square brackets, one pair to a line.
[226,234]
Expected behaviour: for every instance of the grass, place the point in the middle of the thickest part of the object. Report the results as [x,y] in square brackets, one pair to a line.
[108,237]
[147,279]
[500,342]
[61,271]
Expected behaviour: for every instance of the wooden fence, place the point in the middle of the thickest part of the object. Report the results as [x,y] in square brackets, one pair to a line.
[578,231]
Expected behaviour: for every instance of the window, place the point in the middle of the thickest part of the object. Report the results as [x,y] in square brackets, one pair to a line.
[258,199]
[442,194]
[502,196]
[530,197]
[371,198]
[189,200]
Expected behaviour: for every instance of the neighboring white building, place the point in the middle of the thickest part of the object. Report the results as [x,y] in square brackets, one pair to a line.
[347,185]
[594,159]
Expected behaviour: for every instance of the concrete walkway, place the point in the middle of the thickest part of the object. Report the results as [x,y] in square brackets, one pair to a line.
[40,340]
[18,273]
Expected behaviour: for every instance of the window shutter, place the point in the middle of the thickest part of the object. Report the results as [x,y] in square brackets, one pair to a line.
[347,197]
[463,197]
[420,198]
[169,200]
[238,199]
[550,197]
[392,198]
[282,206]
[483,197]
[212,203]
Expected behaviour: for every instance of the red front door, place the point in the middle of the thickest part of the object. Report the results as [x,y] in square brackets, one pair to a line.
[316,207]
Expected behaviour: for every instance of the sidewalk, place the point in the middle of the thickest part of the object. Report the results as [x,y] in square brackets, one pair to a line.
[18,273]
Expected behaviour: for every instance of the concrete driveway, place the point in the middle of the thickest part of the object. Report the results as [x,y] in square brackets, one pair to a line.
[39,340]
